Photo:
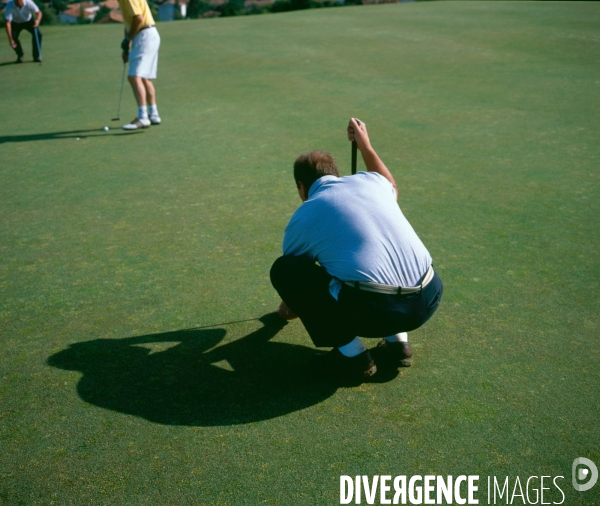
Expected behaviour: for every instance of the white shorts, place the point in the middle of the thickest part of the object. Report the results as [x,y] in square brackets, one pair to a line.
[143,59]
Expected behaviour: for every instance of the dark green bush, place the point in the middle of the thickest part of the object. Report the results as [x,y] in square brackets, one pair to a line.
[196,8]
[290,5]
[256,10]
[100,13]
[49,17]
[232,8]
[58,6]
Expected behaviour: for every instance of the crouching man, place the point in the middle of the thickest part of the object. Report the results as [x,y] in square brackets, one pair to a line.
[352,265]
[23,15]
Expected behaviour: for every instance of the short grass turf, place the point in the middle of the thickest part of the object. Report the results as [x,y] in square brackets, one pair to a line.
[140,364]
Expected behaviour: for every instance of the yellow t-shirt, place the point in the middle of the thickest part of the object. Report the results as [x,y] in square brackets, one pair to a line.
[131,8]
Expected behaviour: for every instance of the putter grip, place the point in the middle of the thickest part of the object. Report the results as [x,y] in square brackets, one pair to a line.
[353,157]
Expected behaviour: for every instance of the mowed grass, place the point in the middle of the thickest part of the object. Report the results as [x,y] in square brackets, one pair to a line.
[134,267]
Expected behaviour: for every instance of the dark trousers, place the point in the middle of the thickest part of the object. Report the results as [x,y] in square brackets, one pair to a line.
[304,287]
[17,28]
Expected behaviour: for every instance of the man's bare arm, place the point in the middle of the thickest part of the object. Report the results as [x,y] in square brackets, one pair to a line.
[38,19]
[8,27]
[136,24]
[357,131]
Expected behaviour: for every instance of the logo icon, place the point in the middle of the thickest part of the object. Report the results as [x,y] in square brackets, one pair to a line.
[583,473]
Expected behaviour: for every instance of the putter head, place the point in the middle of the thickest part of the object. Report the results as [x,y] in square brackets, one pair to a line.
[116,119]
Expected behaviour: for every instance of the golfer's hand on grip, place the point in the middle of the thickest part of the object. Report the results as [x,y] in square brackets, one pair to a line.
[357,131]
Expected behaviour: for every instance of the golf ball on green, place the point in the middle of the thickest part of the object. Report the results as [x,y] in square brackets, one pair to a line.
[105,129]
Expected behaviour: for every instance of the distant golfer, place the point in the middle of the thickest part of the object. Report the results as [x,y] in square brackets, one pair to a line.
[141,37]
[23,15]
[352,265]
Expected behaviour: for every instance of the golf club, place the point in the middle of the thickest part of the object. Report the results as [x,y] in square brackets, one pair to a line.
[118,118]
[353,157]
[37,40]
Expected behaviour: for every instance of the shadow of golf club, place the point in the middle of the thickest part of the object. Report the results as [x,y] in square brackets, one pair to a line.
[180,378]
[68,134]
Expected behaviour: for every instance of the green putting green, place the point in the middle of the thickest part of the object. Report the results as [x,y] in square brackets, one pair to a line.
[140,363]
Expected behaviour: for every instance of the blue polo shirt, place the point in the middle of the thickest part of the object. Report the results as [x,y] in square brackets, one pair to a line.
[15,14]
[354,228]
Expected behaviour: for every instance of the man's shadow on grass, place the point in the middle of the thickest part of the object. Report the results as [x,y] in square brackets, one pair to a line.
[13,62]
[68,134]
[176,378]
[24,62]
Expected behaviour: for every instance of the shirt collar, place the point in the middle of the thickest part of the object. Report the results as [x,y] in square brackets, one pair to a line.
[318,183]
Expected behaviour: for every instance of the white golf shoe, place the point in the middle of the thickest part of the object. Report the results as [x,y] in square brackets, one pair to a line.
[155,119]
[137,124]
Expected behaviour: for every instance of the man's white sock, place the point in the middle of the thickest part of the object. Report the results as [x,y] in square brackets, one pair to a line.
[152,110]
[142,112]
[398,338]
[353,348]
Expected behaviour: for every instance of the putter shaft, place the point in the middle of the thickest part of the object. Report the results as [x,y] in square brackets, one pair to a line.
[39,48]
[118,118]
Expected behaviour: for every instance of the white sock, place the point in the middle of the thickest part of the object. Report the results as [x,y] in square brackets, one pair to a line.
[398,338]
[152,110]
[353,348]
[142,113]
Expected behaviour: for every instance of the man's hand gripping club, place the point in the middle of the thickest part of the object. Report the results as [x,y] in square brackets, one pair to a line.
[357,131]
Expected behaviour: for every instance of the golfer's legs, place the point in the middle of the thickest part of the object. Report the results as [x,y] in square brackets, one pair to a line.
[304,287]
[139,90]
[34,42]
[150,92]
[16,31]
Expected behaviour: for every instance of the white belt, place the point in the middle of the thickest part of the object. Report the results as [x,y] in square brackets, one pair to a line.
[368,286]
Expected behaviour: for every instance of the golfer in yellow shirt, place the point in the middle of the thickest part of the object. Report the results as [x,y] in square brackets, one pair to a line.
[140,49]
